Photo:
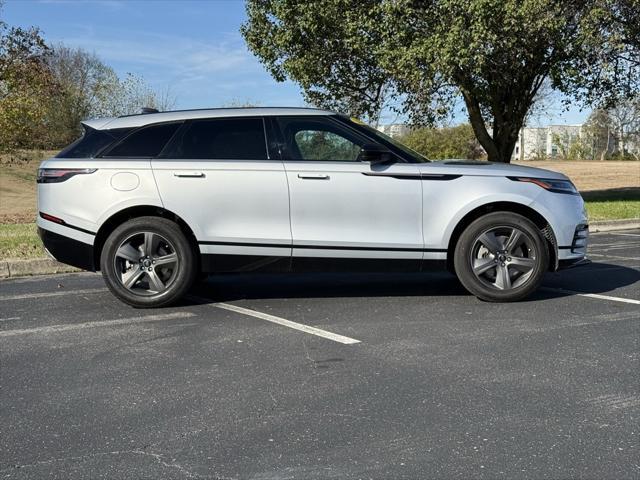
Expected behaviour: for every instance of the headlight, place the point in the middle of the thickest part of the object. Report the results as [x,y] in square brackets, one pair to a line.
[552,185]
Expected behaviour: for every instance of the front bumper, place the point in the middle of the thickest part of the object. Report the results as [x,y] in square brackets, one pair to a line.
[67,250]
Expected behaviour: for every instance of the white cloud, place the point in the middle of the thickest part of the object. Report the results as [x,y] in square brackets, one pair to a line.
[194,70]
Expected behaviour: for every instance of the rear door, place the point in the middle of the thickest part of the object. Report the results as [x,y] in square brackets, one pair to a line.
[342,208]
[216,174]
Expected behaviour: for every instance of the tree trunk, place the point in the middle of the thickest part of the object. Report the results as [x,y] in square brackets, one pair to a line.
[500,145]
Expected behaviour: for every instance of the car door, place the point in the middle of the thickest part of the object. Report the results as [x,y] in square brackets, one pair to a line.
[343,208]
[216,174]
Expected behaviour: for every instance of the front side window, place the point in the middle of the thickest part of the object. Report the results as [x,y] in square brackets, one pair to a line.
[144,142]
[318,140]
[220,139]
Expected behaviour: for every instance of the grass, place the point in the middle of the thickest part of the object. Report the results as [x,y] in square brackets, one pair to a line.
[613,204]
[20,241]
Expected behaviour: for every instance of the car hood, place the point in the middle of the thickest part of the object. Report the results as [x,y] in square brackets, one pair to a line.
[492,169]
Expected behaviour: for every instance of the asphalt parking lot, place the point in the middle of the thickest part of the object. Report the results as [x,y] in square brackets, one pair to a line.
[402,376]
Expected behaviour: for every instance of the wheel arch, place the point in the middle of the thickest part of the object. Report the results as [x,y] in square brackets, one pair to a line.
[505,206]
[130,213]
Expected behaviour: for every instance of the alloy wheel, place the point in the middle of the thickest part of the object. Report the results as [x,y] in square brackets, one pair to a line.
[503,257]
[146,263]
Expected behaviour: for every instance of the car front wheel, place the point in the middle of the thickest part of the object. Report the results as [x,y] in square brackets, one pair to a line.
[501,257]
[148,262]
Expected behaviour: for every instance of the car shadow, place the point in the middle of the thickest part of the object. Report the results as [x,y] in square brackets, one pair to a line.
[592,278]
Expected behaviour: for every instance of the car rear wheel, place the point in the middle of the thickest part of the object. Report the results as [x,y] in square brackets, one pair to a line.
[148,262]
[501,257]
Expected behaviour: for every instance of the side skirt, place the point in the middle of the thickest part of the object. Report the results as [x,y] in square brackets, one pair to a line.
[219,263]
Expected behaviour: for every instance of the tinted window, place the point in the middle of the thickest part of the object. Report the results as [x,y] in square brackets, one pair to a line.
[92,142]
[224,138]
[323,145]
[394,145]
[145,142]
[318,139]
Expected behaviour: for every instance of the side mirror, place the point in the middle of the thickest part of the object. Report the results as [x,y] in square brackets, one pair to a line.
[374,154]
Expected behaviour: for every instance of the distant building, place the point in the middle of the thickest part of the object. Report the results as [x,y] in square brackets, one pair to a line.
[394,129]
[545,142]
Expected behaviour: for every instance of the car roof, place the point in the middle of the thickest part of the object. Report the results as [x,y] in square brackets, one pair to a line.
[139,120]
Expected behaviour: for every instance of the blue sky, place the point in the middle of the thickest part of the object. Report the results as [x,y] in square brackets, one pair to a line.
[192,48]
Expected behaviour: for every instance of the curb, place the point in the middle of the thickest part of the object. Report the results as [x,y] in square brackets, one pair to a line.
[45,266]
[35,266]
[613,225]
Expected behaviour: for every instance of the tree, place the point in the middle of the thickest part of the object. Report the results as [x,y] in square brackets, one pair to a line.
[625,123]
[85,87]
[128,96]
[598,135]
[425,55]
[26,85]
[82,80]
[443,143]
[329,48]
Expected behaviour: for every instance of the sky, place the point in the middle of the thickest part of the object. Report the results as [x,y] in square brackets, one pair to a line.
[193,49]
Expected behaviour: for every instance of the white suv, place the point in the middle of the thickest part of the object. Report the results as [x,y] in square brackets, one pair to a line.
[153,200]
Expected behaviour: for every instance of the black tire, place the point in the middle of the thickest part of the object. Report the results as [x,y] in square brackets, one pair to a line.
[168,244]
[504,280]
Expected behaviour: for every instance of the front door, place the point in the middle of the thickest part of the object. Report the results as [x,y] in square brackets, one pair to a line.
[346,209]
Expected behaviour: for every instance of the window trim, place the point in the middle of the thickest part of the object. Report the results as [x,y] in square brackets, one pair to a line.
[188,122]
[105,151]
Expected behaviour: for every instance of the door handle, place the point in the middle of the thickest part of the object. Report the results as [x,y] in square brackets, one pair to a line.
[188,174]
[314,176]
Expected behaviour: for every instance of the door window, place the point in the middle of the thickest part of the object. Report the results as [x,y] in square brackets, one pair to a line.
[220,139]
[318,140]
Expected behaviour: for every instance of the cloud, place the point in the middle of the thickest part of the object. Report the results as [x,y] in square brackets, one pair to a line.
[195,70]
[169,52]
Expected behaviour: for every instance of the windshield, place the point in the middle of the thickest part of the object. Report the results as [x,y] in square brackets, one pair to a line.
[386,140]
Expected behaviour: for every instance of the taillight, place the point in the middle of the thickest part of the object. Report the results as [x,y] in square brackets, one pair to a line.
[51,218]
[57,175]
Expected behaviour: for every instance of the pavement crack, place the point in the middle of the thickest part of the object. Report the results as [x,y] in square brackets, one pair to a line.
[159,458]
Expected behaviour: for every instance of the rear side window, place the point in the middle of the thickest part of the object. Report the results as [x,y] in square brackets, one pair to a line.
[144,142]
[92,142]
[221,138]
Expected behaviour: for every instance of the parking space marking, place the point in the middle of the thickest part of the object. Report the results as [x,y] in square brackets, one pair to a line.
[593,295]
[282,321]
[100,323]
[52,294]
[626,234]
[612,256]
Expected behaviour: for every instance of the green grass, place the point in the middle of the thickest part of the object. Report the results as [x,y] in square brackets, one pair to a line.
[613,204]
[20,241]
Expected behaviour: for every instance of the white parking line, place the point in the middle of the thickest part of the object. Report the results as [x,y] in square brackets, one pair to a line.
[612,256]
[626,234]
[281,321]
[593,295]
[100,323]
[52,294]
